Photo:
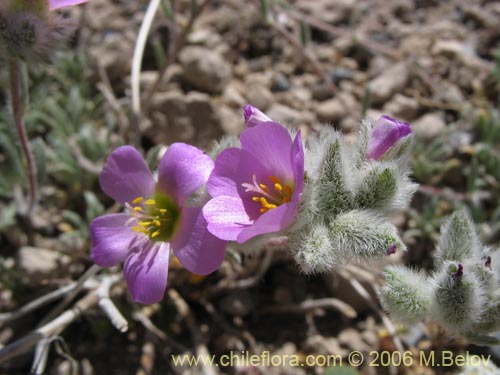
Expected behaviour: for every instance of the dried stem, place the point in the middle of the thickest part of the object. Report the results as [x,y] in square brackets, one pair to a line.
[72,294]
[136,67]
[54,327]
[17,113]
[59,323]
[109,308]
[42,301]
[41,356]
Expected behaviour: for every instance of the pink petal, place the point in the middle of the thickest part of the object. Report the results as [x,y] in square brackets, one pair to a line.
[254,116]
[226,217]
[111,239]
[297,161]
[271,143]
[272,221]
[234,167]
[198,250]
[56,4]
[126,176]
[182,170]
[146,271]
[386,132]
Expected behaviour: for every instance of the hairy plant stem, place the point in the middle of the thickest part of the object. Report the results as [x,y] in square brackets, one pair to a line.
[17,114]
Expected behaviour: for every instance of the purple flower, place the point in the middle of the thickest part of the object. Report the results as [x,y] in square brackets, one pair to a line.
[56,4]
[158,219]
[256,189]
[386,132]
[254,116]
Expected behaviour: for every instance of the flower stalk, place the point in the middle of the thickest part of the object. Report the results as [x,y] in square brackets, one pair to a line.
[17,109]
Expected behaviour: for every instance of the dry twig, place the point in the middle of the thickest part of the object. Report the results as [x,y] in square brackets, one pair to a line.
[58,324]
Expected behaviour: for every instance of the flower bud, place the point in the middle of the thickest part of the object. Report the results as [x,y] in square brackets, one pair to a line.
[315,252]
[385,134]
[458,299]
[458,240]
[254,116]
[406,294]
[363,235]
[332,194]
[378,187]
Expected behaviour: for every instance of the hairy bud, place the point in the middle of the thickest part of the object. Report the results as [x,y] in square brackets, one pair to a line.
[406,294]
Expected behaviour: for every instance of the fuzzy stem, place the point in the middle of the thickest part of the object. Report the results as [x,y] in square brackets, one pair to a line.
[17,113]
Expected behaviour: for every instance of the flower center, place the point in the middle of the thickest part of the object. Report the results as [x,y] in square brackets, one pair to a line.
[269,198]
[156,217]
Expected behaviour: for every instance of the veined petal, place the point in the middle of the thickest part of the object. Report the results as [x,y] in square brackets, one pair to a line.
[126,176]
[386,132]
[234,167]
[254,116]
[297,161]
[272,221]
[223,179]
[271,143]
[226,217]
[182,170]
[56,4]
[197,249]
[111,239]
[146,271]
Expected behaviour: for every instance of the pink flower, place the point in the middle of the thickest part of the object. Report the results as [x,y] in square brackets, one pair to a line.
[256,189]
[158,219]
[386,132]
[254,116]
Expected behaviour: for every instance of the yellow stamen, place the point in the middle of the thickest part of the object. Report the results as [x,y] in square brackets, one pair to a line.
[153,216]
[281,193]
[266,204]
